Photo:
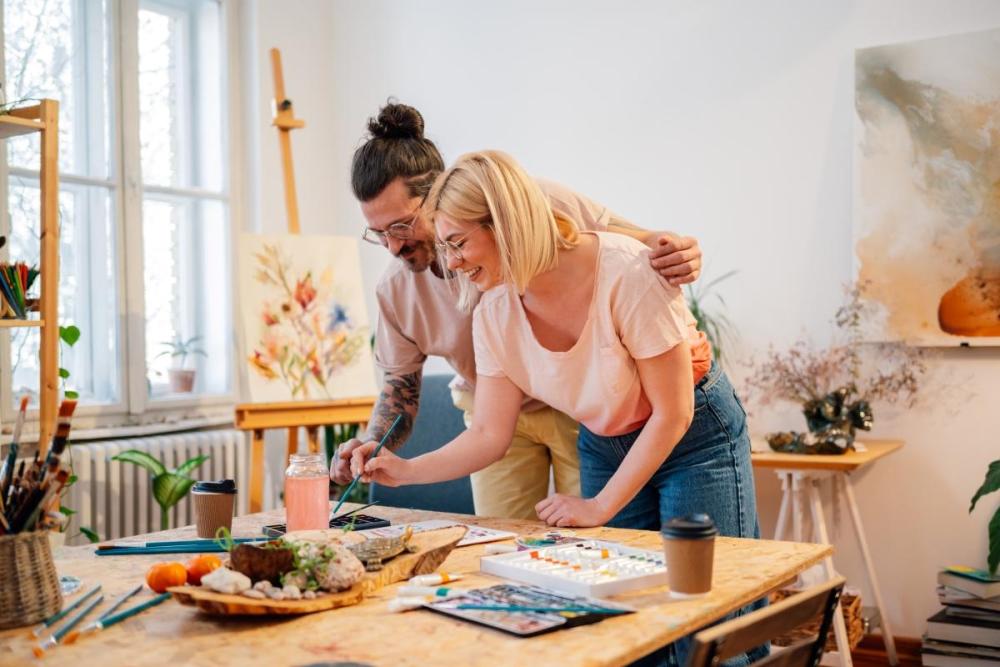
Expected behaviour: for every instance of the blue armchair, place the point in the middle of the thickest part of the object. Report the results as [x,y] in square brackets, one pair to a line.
[438,421]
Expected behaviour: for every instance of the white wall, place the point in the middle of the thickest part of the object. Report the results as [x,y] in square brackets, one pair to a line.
[728,120]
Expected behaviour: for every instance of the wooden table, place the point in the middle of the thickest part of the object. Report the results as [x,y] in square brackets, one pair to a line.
[175,635]
[801,475]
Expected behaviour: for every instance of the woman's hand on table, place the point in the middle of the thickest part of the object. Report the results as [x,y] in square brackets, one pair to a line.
[563,511]
[386,469]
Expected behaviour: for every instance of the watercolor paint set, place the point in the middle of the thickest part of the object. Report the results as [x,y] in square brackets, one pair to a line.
[590,567]
[474,535]
[354,521]
[524,610]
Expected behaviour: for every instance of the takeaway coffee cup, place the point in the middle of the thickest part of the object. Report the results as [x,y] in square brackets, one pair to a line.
[689,549]
[213,506]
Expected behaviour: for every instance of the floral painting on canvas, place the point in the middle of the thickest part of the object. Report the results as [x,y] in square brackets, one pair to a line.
[305,329]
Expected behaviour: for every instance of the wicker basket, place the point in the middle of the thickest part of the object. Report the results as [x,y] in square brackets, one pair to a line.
[30,590]
[851,607]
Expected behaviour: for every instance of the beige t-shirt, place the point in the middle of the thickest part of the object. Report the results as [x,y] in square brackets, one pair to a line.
[418,312]
[635,314]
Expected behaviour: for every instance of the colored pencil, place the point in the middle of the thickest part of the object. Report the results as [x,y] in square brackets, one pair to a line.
[354,481]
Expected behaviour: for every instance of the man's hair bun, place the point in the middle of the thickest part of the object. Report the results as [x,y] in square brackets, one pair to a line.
[397,121]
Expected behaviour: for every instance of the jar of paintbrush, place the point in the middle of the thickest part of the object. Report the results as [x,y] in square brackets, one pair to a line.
[28,492]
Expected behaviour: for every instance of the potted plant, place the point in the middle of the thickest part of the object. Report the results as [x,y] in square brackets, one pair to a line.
[991,484]
[169,486]
[181,379]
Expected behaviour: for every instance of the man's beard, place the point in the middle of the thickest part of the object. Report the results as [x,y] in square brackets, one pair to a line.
[417,255]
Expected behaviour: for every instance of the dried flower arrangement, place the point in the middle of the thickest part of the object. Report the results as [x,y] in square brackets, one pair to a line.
[835,385]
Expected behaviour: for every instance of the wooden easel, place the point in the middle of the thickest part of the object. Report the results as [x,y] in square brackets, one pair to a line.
[258,417]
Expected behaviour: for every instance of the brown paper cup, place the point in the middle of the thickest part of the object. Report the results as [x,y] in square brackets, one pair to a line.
[213,511]
[689,565]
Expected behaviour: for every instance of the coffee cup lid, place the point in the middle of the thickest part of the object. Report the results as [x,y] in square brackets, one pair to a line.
[695,526]
[220,486]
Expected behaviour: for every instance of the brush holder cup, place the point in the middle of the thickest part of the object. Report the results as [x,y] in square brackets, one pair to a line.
[30,592]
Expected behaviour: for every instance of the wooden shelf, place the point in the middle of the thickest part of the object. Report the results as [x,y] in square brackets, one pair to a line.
[43,118]
[13,324]
[12,126]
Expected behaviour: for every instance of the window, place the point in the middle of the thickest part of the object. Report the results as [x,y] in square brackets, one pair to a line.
[144,209]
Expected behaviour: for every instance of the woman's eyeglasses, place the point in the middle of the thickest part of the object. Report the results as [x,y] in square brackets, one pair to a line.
[454,248]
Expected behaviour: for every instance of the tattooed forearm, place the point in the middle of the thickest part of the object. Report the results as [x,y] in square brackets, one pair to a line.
[400,396]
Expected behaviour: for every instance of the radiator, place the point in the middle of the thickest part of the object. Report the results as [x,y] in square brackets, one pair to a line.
[115,499]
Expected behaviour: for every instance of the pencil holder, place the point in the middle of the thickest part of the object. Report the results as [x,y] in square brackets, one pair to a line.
[30,592]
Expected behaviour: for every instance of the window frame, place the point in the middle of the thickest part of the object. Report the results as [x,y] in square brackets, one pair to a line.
[134,405]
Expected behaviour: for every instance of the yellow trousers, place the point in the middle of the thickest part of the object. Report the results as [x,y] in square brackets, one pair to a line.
[544,440]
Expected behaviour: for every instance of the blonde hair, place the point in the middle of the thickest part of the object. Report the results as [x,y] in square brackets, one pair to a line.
[489,188]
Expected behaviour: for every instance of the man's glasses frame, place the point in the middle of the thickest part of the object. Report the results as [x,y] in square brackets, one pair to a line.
[402,231]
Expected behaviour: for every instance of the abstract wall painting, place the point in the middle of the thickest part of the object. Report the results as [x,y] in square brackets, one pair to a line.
[927,188]
[305,328]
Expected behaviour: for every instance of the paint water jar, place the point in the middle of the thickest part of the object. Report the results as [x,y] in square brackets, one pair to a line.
[307,493]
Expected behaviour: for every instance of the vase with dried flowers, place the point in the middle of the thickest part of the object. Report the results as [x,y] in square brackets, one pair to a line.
[836,385]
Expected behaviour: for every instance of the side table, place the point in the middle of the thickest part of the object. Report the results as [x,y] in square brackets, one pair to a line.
[800,475]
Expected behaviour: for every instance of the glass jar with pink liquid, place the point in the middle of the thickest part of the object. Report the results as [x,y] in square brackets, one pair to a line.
[307,493]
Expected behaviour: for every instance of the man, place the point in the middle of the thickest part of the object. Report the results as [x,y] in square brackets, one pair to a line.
[419,313]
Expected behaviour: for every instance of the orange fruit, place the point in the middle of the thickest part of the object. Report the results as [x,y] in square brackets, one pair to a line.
[201,565]
[162,576]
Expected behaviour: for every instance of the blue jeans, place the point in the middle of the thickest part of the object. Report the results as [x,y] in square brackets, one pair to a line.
[708,471]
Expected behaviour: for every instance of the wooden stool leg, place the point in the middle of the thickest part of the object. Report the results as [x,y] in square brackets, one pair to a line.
[256,471]
[819,523]
[890,644]
[786,501]
[312,437]
[293,443]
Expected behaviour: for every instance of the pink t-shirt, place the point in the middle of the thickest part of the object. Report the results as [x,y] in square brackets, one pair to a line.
[635,314]
[418,312]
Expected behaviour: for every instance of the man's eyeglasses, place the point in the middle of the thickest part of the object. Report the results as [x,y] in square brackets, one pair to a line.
[454,248]
[397,230]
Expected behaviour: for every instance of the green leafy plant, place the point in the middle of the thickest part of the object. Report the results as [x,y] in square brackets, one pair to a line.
[717,326]
[182,349]
[169,486]
[991,484]
[69,335]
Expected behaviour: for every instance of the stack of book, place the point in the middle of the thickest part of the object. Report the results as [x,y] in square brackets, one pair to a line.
[966,632]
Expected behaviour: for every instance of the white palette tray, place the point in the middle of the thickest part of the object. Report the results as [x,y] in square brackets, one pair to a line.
[594,568]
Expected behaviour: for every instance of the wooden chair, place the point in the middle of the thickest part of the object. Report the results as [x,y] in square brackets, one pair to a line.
[723,641]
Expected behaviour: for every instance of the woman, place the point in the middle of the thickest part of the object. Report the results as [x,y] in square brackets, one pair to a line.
[579,321]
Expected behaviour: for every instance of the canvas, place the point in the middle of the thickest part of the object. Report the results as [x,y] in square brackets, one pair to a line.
[305,329]
[927,189]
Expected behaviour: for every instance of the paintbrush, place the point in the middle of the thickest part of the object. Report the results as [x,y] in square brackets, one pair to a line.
[117,603]
[60,439]
[354,481]
[7,472]
[57,636]
[39,487]
[49,489]
[55,618]
[108,621]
